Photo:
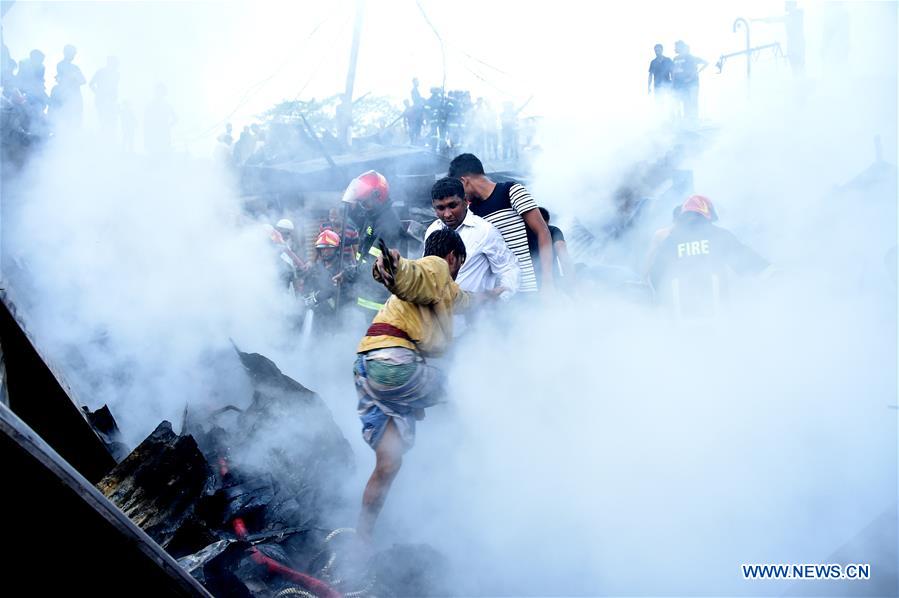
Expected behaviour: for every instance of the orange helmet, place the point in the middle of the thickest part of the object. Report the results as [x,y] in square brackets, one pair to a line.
[700,205]
[327,238]
[368,190]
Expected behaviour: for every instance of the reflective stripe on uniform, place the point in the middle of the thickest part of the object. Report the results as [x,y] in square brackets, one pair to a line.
[369,304]
[374,251]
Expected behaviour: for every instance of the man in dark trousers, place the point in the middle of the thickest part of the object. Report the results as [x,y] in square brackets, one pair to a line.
[685,79]
[511,209]
[659,74]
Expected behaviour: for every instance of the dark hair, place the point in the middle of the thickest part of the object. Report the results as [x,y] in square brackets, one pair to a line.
[447,187]
[465,165]
[443,242]
[545,213]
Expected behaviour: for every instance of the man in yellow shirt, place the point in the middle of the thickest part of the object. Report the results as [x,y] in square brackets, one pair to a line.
[393,382]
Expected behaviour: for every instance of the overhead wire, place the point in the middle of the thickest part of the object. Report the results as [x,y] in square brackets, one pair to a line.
[321,62]
[439,39]
[253,89]
[471,70]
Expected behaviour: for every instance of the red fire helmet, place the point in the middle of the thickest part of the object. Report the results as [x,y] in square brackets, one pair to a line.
[700,205]
[368,190]
[327,238]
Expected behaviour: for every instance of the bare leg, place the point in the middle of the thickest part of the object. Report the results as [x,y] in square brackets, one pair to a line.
[388,459]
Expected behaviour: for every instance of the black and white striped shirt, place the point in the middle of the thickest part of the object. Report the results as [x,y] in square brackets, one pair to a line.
[505,209]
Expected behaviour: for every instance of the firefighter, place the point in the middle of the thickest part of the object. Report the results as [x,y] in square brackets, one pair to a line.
[690,268]
[289,264]
[324,277]
[367,201]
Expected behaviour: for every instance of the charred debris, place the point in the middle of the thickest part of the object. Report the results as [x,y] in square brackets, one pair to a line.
[249,509]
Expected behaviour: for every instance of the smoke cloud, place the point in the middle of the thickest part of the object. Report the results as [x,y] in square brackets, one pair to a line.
[591,445]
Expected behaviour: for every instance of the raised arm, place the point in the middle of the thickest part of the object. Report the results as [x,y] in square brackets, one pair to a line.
[421,281]
[702,64]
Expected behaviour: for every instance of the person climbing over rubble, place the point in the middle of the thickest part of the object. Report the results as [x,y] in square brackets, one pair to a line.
[690,268]
[393,381]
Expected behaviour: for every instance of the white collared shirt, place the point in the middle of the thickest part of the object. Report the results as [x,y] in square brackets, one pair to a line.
[490,262]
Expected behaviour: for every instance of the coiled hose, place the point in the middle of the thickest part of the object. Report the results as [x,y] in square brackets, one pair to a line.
[318,588]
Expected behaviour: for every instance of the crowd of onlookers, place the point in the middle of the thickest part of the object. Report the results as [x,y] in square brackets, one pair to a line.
[449,120]
[30,111]
[445,122]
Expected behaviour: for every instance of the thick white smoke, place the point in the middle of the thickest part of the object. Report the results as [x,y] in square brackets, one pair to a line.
[591,446]
[594,447]
[139,272]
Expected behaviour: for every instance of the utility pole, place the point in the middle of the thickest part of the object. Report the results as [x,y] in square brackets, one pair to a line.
[345,110]
[737,23]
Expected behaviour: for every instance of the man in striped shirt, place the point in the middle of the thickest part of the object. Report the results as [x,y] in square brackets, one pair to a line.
[511,209]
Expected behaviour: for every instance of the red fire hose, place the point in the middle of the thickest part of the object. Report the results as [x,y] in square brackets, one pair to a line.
[316,586]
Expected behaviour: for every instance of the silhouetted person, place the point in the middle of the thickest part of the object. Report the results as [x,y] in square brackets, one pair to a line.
[105,85]
[685,79]
[491,131]
[409,122]
[794,24]
[30,81]
[659,73]
[243,149]
[510,132]
[417,100]
[7,71]
[65,99]
[478,126]
[158,121]
[227,138]
[435,109]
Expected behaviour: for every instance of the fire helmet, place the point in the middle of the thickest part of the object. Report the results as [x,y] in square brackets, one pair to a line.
[700,205]
[284,224]
[369,191]
[327,238]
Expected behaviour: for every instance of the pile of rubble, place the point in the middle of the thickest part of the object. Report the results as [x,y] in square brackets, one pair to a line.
[245,499]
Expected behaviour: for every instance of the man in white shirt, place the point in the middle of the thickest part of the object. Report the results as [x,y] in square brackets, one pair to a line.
[490,262]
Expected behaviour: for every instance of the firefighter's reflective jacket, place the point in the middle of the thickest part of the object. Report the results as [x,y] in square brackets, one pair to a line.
[385,225]
[690,269]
